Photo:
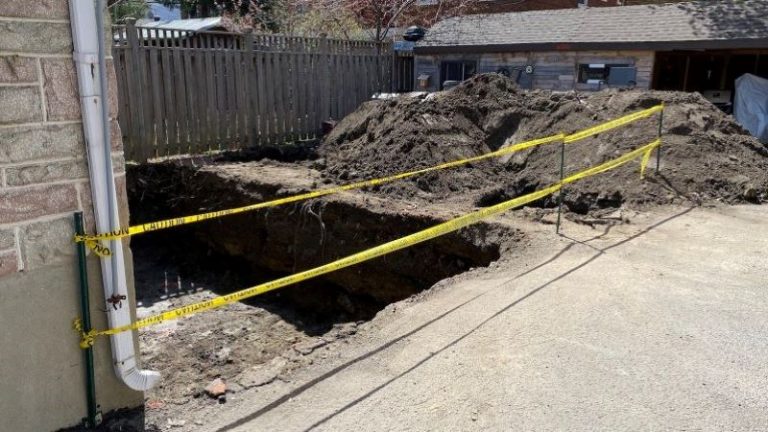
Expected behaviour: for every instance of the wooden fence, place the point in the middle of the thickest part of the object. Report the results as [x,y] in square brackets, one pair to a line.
[190,93]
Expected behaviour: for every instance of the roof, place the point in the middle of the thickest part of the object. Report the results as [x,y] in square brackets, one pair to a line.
[181,27]
[689,25]
[191,24]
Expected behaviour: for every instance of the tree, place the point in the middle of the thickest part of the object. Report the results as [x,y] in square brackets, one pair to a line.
[310,18]
[238,14]
[120,10]
[380,16]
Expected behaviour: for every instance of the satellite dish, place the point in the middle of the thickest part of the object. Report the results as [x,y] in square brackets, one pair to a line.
[529,69]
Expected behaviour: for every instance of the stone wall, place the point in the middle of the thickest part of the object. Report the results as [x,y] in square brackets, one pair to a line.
[553,70]
[43,180]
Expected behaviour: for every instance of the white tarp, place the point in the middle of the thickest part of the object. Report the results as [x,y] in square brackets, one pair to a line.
[750,106]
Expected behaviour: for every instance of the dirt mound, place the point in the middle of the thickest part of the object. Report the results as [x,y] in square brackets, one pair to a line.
[706,155]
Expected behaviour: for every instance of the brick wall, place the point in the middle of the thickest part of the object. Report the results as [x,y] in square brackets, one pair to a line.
[553,70]
[43,168]
[43,180]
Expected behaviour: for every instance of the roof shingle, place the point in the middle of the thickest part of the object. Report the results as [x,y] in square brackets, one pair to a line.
[698,21]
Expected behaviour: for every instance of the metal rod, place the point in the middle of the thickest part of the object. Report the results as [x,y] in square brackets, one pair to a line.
[658,150]
[93,418]
[562,189]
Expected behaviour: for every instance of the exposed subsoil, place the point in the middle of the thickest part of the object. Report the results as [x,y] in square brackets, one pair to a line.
[706,156]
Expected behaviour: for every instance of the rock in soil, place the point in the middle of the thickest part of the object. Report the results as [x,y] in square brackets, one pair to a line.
[261,375]
[216,388]
[307,347]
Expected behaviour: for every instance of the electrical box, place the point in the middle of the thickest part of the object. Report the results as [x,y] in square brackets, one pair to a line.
[622,76]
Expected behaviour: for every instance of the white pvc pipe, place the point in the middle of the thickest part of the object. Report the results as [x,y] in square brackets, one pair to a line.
[86,34]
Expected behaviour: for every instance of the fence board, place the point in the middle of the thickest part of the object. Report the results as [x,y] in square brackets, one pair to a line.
[192,114]
[349,93]
[261,90]
[229,97]
[304,77]
[156,103]
[271,107]
[201,98]
[241,93]
[181,101]
[285,86]
[324,96]
[170,112]
[220,78]
[209,81]
[357,89]
[277,60]
[147,109]
[132,129]
[295,110]
[123,112]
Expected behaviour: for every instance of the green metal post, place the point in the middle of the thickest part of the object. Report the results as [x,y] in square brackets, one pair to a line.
[94,416]
[562,189]
[658,150]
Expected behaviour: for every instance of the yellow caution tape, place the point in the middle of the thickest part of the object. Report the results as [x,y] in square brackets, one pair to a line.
[92,241]
[613,163]
[87,339]
[96,247]
[613,124]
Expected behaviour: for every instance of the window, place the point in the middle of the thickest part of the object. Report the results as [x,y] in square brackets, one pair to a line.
[456,71]
[596,73]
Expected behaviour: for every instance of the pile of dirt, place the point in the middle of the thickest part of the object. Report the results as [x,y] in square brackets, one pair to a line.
[706,156]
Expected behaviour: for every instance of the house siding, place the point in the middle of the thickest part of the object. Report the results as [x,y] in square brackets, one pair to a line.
[553,70]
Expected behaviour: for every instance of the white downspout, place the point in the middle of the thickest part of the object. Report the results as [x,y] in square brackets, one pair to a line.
[89,53]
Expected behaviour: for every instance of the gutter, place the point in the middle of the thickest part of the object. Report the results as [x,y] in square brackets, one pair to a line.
[723,44]
[90,60]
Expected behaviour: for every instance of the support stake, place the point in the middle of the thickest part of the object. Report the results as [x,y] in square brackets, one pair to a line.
[658,150]
[94,415]
[562,188]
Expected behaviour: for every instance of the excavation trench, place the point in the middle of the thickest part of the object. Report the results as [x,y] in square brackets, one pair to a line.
[250,248]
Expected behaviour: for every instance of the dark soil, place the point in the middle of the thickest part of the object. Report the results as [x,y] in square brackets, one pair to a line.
[706,156]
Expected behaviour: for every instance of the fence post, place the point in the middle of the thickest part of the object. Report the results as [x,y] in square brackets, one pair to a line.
[658,151]
[562,186]
[94,416]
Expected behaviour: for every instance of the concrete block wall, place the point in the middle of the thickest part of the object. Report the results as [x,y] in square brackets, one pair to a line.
[553,70]
[43,180]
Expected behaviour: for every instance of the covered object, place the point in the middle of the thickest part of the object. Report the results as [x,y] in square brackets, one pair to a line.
[750,106]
